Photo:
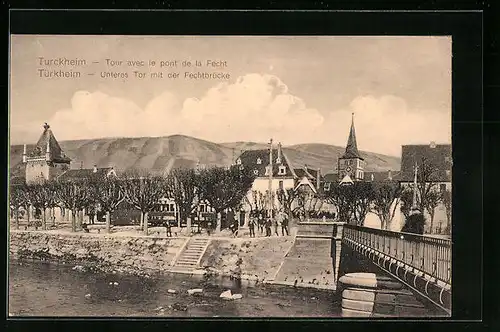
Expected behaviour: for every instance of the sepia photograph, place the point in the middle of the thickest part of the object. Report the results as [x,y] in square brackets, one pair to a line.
[230,176]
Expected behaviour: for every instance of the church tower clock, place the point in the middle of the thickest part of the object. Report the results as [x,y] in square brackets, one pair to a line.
[351,164]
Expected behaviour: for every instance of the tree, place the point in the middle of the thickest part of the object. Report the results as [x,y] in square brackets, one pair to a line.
[427,186]
[406,199]
[446,199]
[43,195]
[182,186]
[143,191]
[109,194]
[286,197]
[73,196]
[361,195]
[225,188]
[352,200]
[432,201]
[17,199]
[387,195]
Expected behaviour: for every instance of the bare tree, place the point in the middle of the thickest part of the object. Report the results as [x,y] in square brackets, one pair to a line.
[73,195]
[432,201]
[43,196]
[182,186]
[406,199]
[225,188]
[286,198]
[109,194]
[387,195]
[144,191]
[446,199]
[17,199]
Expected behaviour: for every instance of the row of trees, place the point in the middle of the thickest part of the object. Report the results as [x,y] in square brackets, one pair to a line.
[220,188]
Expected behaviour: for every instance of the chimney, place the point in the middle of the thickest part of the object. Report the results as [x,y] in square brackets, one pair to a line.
[47,151]
[318,178]
[305,167]
[372,177]
[389,175]
[278,159]
[95,169]
[24,153]
[81,164]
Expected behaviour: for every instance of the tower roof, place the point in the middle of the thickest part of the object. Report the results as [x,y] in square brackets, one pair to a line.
[48,141]
[351,150]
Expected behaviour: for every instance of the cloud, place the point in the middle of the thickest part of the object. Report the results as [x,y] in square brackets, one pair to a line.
[385,123]
[256,107]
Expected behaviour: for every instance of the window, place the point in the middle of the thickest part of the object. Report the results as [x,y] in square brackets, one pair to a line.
[327,186]
[259,161]
[448,172]
[280,185]
[282,170]
[268,168]
[278,160]
[238,161]
[241,167]
[256,172]
[442,187]
[202,208]
[361,175]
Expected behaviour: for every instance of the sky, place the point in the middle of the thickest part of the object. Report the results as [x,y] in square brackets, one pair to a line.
[292,89]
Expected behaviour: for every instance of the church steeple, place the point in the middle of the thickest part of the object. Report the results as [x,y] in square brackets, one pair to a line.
[351,164]
[351,150]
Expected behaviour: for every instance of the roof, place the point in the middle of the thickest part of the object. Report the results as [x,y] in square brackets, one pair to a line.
[351,150]
[249,160]
[48,138]
[438,156]
[307,172]
[367,176]
[81,174]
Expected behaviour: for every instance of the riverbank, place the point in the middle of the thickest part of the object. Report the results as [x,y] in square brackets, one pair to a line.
[257,260]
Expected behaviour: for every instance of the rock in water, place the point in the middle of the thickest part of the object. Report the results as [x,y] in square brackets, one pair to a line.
[195,290]
[226,295]
[236,296]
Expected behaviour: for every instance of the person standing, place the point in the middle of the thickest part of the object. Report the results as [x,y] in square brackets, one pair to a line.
[277,222]
[284,224]
[268,227]
[251,226]
[261,224]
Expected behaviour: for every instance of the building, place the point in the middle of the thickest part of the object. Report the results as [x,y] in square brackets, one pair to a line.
[258,162]
[47,160]
[308,179]
[351,165]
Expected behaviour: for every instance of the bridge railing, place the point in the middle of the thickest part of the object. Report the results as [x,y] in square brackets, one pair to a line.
[429,255]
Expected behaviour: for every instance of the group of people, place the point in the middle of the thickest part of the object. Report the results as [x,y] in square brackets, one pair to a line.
[259,221]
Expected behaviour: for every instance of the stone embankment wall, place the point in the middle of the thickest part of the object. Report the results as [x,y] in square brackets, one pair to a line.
[254,260]
[137,255]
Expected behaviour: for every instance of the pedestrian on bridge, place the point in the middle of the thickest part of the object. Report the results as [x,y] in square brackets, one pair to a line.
[284,224]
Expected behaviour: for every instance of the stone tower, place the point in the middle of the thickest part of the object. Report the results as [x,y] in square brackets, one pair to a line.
[47,160]
[351,163]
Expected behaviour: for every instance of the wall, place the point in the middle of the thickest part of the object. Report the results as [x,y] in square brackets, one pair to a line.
[119,253]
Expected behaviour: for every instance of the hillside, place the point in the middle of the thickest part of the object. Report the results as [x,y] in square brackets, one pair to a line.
[160,154]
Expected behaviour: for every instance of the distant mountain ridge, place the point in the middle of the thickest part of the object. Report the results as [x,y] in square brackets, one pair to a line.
[160,154]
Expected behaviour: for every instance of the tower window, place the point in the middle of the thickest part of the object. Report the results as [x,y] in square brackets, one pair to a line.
[259,161]
[238,161]
[256,172]
[282,170]
[327,186]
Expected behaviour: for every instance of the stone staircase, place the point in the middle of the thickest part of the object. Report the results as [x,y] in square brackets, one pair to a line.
[190,257]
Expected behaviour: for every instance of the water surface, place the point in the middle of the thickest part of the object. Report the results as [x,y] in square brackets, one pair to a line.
[44,289]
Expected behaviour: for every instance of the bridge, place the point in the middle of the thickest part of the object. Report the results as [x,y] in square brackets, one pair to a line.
[421,263]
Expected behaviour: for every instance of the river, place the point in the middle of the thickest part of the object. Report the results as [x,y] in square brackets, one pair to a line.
[44,289]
